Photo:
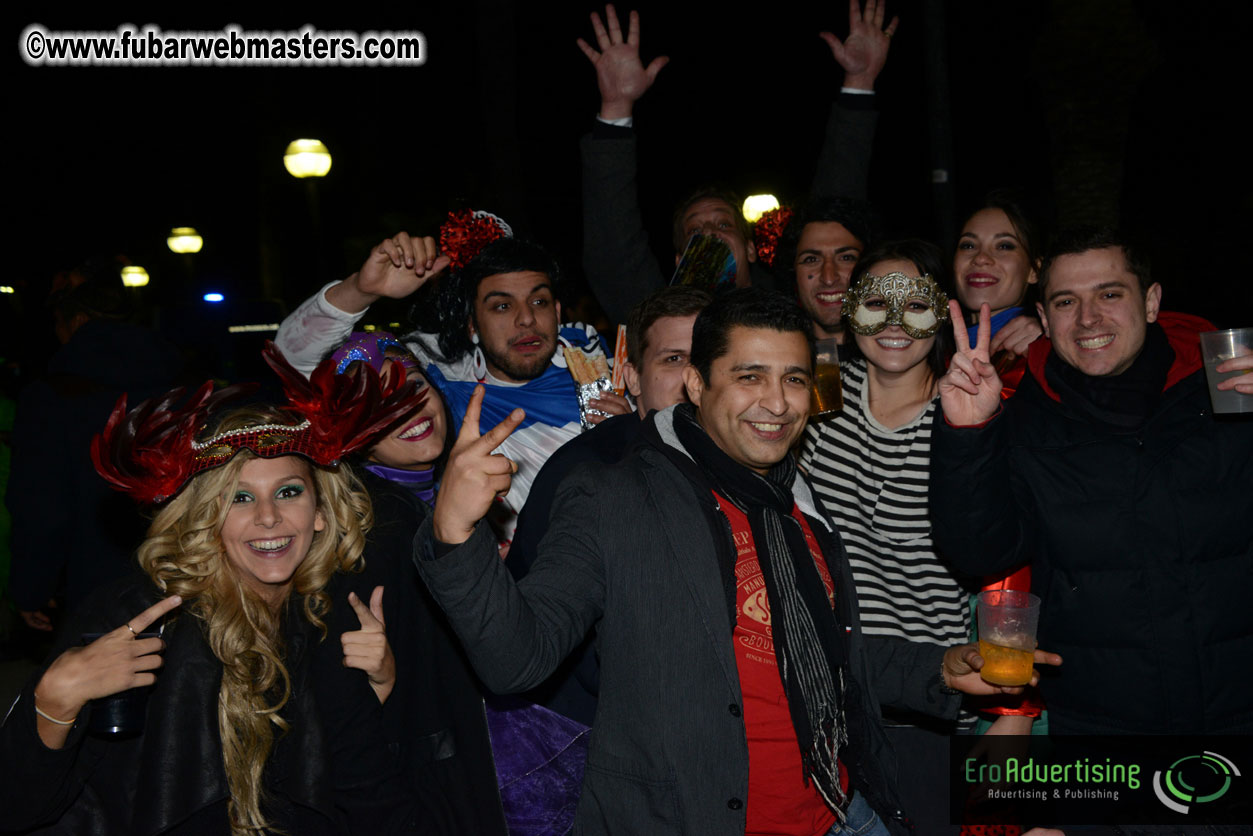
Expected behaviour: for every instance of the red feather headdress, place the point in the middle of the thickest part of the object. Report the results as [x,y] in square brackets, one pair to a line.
[152,451]
[767,231]
[468,231]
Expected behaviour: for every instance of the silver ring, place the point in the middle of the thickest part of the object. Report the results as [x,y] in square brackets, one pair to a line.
[132,629]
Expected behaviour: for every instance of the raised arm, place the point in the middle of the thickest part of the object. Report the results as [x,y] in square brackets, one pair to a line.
[844,162]
[515,634]
[395,268]
[976,519]
[619,263]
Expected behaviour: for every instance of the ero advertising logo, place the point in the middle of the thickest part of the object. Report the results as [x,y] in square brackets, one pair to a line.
[1194,780]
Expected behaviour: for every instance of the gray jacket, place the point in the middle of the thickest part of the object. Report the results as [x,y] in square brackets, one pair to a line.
[629,550]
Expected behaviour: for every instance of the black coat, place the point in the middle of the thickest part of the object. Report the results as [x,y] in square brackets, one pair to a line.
[572,689]
[421,764]
[620,265]
[1140,545]
[630,550]
[434,718]
[331,774]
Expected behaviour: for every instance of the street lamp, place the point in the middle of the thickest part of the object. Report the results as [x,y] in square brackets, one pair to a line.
[307,158]
[756,205]
[134,276]
[184,240]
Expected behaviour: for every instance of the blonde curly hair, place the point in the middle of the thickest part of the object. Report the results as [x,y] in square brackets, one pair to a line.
[184,555]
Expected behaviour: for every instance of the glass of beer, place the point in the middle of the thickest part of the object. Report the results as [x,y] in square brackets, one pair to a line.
[827,396]
[1007,625]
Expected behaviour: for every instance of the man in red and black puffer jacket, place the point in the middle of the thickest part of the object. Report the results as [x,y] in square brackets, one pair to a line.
[1110,473]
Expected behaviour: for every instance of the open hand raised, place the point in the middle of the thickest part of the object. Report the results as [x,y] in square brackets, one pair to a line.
[474,475]
[620,74]
[864,52]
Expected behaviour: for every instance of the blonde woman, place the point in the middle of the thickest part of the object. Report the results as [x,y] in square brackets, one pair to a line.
[253,723]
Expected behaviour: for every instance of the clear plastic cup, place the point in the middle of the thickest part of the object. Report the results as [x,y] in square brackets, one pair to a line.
[1216,347]
[1007,625]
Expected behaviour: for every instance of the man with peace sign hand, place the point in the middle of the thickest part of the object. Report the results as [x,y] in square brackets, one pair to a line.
[1109,473]
[725,622]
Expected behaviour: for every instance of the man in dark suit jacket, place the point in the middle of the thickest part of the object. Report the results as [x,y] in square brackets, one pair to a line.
[726,624]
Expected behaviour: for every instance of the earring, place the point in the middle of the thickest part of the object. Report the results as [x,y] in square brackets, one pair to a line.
[479,362]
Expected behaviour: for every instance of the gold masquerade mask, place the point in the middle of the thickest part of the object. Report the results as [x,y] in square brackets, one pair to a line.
[917,305]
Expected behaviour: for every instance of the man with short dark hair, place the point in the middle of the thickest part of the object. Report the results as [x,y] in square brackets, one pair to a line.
[817,253]
[735,689]
[619,263]
[500,326]
[1108,471]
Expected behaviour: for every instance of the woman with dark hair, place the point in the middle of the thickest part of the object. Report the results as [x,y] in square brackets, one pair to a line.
[996,263]
[534,755]
[869,465]
[414,450]
[251,725]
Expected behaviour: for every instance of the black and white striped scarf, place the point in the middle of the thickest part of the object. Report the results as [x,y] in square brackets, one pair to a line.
[808,641]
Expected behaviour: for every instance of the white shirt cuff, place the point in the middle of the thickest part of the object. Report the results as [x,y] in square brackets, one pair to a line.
[624,122]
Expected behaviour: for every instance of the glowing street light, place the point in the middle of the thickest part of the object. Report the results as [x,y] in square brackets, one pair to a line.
[184,239]
[307,158]
[756,205]
[213,297]
[134,276]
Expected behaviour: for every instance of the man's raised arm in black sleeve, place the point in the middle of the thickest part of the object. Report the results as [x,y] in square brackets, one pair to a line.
[617,258]
[844,162]
[619,263]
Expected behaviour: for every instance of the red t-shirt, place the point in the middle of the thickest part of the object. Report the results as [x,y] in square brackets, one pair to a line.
[779,801]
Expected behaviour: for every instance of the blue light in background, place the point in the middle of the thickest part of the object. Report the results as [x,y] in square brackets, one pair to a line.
[214,297]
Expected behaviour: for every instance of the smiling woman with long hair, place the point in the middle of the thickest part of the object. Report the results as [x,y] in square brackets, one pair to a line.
[253,723]
[191,551]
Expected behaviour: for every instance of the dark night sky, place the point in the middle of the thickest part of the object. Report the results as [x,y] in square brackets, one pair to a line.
[108,159]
